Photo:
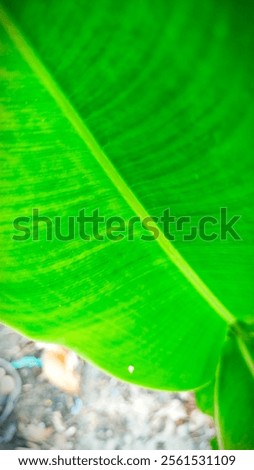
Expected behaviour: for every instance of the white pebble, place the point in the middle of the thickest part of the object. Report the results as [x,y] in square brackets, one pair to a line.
[7,385]
[177,410]
[197,420]
[57,421]
[183,430]
[185,396]
[70,431]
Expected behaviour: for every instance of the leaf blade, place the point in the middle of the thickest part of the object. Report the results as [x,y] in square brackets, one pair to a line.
[234,399]
[202,368]
[97,152]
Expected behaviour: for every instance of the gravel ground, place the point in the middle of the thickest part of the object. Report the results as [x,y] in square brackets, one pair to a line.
[107,414]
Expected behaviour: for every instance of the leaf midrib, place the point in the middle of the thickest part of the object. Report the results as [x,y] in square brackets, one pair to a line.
[126,193]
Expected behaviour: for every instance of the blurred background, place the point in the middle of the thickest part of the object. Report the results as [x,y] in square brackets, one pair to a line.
[45,410]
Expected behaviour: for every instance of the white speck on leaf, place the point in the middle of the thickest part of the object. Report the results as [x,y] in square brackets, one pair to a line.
[131,369]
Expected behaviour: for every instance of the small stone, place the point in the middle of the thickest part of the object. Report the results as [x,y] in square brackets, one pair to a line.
[48,402]
[177,410]
[184,396]
[15,350]
[57,421]
[7,385]
[70,431]
[183,430]
[170,428]
[197,420]
[60,441]
[36,433]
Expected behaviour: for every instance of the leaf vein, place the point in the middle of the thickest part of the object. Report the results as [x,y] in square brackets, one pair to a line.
[126,193]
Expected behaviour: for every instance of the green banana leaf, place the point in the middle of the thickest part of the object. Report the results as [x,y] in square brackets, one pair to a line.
[234,399]
[205,398]
[128,108]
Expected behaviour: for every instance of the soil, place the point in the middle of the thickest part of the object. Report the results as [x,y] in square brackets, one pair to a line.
[107,414]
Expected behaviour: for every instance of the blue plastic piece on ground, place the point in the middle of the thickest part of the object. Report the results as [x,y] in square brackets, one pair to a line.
[27,361]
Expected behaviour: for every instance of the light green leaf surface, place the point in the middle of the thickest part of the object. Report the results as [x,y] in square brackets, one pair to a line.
[234,399]
[205,398]
[130,107]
